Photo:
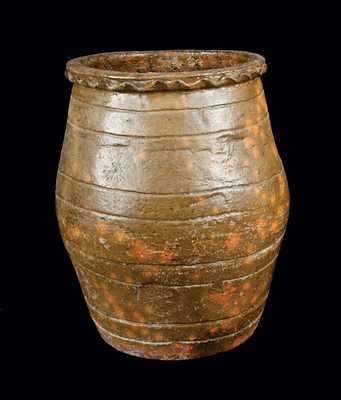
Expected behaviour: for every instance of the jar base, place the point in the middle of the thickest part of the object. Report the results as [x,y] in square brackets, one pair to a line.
[185,350]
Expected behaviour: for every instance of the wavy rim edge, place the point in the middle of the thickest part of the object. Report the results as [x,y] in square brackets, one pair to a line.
[78,72]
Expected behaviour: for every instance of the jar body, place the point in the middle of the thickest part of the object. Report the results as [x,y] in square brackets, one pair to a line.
[172,206]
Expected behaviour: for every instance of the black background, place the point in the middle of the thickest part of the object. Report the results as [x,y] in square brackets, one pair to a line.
[48,331]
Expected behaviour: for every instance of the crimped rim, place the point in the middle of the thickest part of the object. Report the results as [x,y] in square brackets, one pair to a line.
[79,72]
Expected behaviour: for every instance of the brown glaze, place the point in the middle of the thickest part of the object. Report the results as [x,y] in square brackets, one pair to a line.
[171,198]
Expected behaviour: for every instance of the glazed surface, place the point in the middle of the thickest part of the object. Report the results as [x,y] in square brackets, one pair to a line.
[172,206]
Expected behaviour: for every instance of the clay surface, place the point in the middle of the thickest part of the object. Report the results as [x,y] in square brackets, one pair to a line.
[171,198]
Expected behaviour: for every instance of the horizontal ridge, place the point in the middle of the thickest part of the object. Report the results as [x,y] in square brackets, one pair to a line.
[125,110]
[173,194]
[168,221]
[139,285]
[156,325]
[74,248]
[177,341]
[73,124]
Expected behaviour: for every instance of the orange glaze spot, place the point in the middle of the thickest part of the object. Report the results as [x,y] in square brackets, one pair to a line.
[87,178]
[260,222]
[248,260]
[274,226]
[189,165]
[147,274]
[214,330]
[74,233]
[282,189]
[281,184]
[215,210]
[232,240]
[192,337]
[264,196]
[246,163]
[230,287]
[155,97]
[141,251]
[237,342]
[273,199]
[246,286]
[248,122]
[181,347]
[261,227]
[195,275]
[280,211]
[144,332]
[235,311]
[201,198]
[158,336]
[102,228]
[119,236]
[75,168]
[142,254]
[128,279]
[249,142]
[136,315]
[183,102]
[166,256]
[113,326]
[254,299]
[274,149]
[113,275]
[256,130]
[226,324]
[220,298]
[141,156]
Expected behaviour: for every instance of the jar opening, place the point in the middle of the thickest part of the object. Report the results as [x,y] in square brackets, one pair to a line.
[166,61]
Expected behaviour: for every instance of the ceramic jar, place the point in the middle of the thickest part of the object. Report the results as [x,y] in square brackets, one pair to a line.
[171,198]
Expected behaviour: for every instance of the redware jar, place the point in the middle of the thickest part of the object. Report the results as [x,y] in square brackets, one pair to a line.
[171,198]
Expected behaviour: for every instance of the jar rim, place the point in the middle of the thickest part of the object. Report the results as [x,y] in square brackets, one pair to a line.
[144,71]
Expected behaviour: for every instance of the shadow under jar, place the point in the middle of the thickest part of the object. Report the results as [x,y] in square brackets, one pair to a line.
[171,198]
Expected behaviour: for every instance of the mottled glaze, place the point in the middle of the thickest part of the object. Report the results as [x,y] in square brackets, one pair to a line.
[171,198]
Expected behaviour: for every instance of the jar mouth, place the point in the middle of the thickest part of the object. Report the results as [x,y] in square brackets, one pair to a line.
[165,69]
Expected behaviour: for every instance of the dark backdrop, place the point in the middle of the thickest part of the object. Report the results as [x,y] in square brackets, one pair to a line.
[48,331]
